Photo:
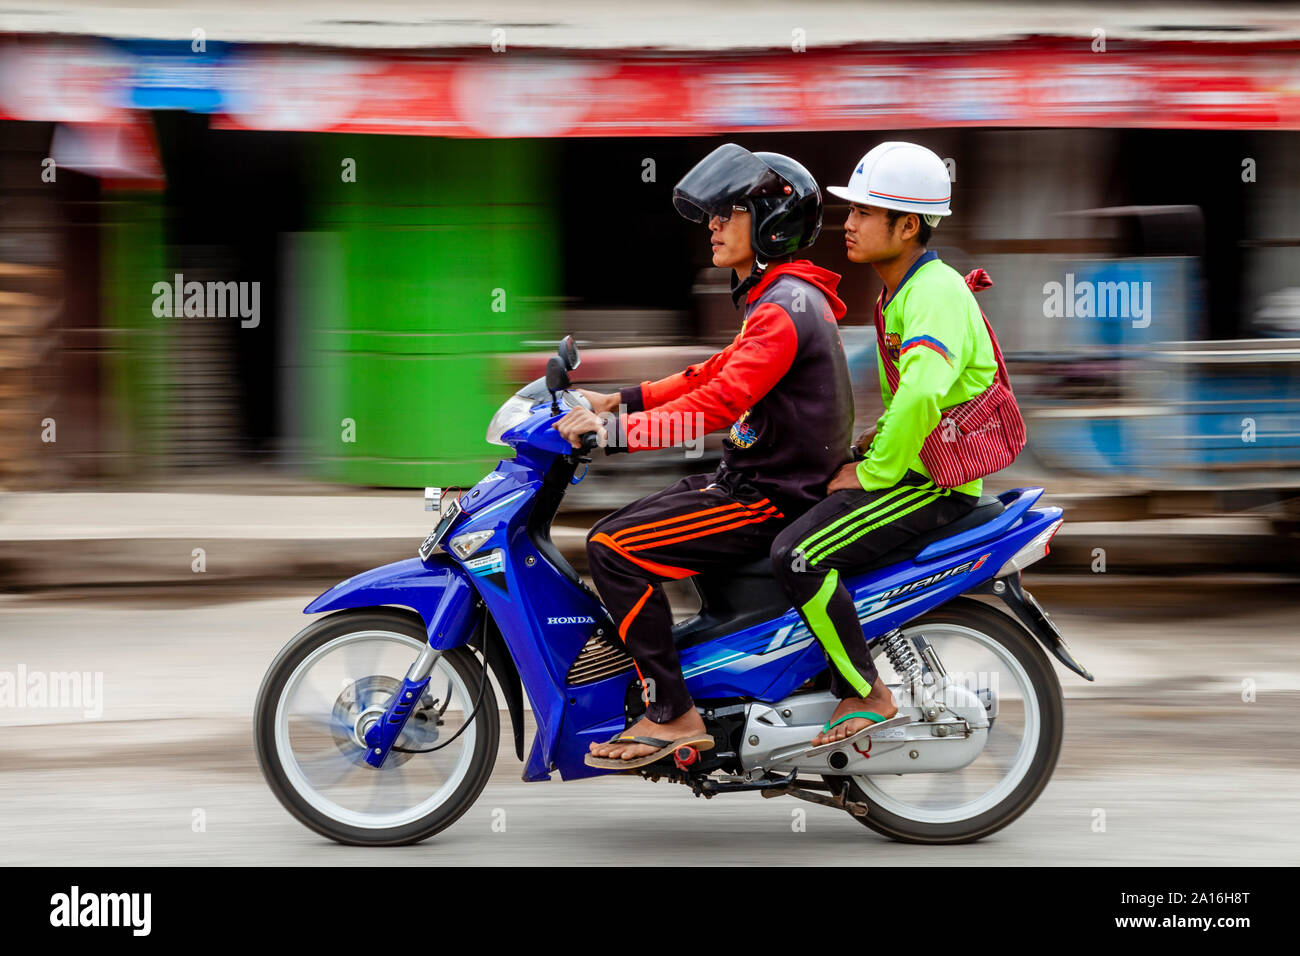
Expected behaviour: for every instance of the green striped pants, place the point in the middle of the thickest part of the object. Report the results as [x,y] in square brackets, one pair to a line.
[848,532]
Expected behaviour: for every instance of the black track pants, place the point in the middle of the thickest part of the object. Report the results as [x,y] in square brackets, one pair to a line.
[692,526]
[851,529]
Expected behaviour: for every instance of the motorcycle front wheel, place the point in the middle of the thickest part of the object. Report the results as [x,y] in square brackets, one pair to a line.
[328,686]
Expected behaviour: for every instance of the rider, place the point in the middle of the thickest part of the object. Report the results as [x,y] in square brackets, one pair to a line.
[934,332]
[781,387]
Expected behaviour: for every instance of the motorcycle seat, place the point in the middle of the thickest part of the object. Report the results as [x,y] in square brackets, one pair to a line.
[986,509]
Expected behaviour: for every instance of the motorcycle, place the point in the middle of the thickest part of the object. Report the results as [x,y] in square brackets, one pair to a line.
[378,725]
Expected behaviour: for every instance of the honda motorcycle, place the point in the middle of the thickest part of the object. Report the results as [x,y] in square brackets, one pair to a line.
[378,724]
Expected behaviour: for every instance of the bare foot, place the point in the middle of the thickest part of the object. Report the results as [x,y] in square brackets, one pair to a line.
[880,700]
[688,723]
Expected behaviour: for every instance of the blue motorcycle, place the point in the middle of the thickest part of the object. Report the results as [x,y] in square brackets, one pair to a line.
[378,725]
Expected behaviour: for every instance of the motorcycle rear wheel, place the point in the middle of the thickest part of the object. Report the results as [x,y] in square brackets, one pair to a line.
[893,820]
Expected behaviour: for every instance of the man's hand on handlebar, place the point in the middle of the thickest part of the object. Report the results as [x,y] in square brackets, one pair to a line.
[579,422]
[600,401]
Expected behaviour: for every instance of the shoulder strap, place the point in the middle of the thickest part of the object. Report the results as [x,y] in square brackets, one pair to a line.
[977,280]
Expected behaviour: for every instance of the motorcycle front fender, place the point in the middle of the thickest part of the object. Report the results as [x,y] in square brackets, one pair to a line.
[443,594]
[440,592]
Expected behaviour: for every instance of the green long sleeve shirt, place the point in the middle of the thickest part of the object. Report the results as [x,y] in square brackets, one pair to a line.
[934,331]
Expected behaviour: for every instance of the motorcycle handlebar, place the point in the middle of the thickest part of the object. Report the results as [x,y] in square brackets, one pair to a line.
[589,440]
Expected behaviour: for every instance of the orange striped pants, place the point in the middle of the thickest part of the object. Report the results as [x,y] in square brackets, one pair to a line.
[691,526]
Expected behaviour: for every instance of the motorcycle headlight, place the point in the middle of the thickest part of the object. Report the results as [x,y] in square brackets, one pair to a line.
[514,411]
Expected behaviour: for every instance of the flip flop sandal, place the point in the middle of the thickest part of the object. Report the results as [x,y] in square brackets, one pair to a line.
[877,723]
[665,749]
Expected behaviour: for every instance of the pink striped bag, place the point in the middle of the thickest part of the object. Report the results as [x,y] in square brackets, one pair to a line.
[977,437]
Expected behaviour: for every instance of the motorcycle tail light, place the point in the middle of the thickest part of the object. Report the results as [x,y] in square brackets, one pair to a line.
[1035,550]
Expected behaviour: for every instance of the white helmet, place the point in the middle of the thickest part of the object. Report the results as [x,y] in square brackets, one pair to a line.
[902,176]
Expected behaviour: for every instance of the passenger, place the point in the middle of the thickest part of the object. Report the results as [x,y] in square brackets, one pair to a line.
[936,338]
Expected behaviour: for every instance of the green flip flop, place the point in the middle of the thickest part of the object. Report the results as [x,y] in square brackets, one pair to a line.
[870,715]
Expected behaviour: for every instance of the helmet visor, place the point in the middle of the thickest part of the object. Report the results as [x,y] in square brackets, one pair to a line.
[719,179]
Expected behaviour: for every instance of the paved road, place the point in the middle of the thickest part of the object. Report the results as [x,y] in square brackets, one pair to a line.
[1184,770]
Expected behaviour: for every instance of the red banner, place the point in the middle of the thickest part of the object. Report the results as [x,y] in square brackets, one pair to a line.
[596,96]
[1047,83]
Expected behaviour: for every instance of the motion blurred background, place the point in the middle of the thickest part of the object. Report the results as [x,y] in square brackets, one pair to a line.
[428,197]
[427,201]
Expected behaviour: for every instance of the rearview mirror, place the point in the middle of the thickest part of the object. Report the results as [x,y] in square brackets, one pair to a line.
[557,377]
[569,353]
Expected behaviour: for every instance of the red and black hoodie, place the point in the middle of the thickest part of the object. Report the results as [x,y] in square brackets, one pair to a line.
[781,387]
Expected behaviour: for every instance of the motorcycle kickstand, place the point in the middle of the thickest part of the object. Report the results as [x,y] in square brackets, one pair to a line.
[839,802]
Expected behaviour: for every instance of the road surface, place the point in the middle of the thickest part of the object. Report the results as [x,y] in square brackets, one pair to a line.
[1163,761]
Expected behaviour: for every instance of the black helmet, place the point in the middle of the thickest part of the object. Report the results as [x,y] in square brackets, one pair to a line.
[784,203]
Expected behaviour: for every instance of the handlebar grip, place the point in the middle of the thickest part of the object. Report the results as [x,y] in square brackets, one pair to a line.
[589,440]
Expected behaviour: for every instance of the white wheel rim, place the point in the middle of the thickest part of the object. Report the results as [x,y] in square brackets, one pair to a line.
[443,674]
[872,786]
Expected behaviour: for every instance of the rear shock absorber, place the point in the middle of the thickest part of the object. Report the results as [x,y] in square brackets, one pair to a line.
[899,651]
